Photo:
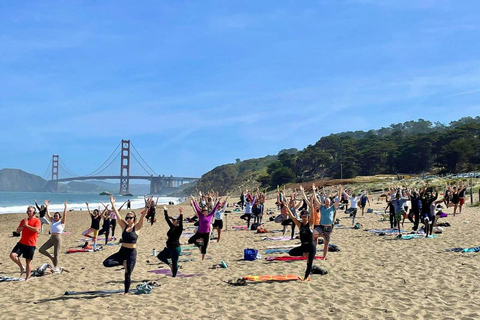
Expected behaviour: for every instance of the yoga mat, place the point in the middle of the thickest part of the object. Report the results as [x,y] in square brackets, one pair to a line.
[75,293]
[285,246]
[269,278]
[168,273]
[277,238]
[288,258]
[287,250]
[7,279]
[417,236]
[187,234]
[239,227]
[386,231]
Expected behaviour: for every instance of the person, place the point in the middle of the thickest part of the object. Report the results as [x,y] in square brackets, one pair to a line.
[398,204]
[218,222]
[353,204]
[127,255]
[248,210]
[94,225]
[461,195]
[415,208]
[173,249]
[41,212]
[327,219]
[56,230]
[363,202]
[308,247]
[426,199]
[202,236]
[29,228]
[455,199]
[241,203]
[151,211]
[107,222]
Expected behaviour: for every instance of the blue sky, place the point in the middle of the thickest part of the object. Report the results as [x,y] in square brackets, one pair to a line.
[196,84]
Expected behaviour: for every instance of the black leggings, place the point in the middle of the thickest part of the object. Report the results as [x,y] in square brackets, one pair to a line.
[114,224]
[393,222]
[170,254]
[105,230]
[117,259]
[199,235]
[309,248]
[248,216]
[289,222]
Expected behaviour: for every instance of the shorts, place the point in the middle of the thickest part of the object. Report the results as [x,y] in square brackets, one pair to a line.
[323,231]
[218,224]
[399,215]
[26,251]
[462,201]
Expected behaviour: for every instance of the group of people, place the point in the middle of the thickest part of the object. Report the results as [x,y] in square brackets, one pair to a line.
[421,204]
[313,213]
[29,229]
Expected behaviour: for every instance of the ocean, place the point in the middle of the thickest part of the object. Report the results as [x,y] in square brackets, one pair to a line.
[17,202]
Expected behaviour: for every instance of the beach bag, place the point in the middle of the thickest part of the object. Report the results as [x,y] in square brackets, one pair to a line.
[357,225]
[250,254]
[369,210]
[254,226]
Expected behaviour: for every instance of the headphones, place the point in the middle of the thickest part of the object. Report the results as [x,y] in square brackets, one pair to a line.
[34,209]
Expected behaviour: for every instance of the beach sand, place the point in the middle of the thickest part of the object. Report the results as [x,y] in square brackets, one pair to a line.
[372,277]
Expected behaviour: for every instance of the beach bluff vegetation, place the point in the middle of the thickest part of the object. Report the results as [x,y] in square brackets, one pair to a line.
[411,147]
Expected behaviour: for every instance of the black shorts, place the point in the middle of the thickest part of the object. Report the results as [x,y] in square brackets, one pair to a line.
[218,224]
[26,251]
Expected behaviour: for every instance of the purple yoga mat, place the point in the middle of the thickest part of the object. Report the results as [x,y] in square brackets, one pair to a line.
[168,273]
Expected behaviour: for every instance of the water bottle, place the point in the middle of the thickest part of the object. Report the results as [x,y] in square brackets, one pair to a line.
[154,252]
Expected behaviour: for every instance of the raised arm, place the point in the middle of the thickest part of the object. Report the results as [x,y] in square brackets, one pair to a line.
[338,197]
[64,216]
[120,221]
[122,205]
[297,223]
[139,224]
[48,211]
[88,209]
[36,205]
[165,212]
[180,218]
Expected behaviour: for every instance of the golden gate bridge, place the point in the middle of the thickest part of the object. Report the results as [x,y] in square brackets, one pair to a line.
[104,172]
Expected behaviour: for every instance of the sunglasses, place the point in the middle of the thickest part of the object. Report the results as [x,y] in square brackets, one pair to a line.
[129,218]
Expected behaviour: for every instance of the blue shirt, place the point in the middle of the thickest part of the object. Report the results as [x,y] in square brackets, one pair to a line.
[326,217]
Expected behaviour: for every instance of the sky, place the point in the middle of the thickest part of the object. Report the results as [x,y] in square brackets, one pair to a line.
[197,84]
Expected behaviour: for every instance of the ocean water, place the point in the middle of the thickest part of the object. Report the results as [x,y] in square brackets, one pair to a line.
[17,202]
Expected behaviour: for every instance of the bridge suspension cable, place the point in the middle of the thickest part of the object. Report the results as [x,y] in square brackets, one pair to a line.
[143,160]
[133,155]
[108,165]
[64,167]
[98,169]
[49,168]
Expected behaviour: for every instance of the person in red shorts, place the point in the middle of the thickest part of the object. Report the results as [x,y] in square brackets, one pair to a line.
[29,227]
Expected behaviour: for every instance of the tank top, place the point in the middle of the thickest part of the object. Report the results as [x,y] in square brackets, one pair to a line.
[306,234]
[129,237]
[57,227]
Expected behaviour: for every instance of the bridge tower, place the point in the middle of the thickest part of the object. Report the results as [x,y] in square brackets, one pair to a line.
[125,168]
[55,172]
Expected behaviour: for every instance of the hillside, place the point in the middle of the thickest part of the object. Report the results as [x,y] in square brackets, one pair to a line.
[18,180]
[410,148]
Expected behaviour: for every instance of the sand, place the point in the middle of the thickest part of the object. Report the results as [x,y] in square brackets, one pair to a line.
[372,277]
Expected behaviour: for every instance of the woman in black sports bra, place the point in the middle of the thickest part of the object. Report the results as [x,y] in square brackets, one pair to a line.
[127,255]
[308,247]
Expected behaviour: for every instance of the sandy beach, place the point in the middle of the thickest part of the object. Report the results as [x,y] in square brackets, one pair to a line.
[372,277]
